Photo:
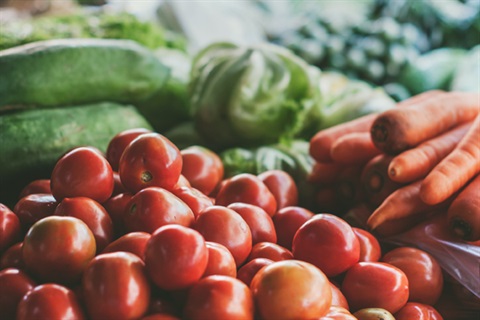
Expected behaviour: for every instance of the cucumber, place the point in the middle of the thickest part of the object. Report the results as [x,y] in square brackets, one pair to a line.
[32,140]
[61,72]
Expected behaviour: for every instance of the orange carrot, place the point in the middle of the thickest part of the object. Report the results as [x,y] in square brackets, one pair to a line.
[416,163]
[455,170]
[356,147]
[325,173]
[348,188]
[464,212]
[398,129]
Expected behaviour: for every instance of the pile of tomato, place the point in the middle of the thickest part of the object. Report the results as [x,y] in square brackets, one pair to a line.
[148,231]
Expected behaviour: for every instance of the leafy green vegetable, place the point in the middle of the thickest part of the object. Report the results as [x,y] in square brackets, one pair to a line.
[184,135]
[467,73]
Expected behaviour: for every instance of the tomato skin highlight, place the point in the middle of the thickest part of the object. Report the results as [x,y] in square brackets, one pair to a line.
[220,261]
[34,207]
[370,250]
[119,142]
[418,311]
[10,228]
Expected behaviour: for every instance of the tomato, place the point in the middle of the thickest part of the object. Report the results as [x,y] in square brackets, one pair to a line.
[260,223]
[10,231]
[49,301]
[115,286]
[12,257]
[247,188]
[118,186]
[93,214]
[160,316]
[339,313]
[14,284]
[82,172]
[119,142]
[424,274]
[225,226]
[287,221]
[291,289]
[375,285]
[150,160]
[58,249]
[152,208]
[182,182]
[250,269]
[219,297]
[34,207]
[133,242]
[327,242]
[116,207]
[270,251]
[175,257]
[196,200]
[161,302]
[220,261]
[282,186]
[202,167]
[418,311]
[338,299]
[370,250]
[36,186]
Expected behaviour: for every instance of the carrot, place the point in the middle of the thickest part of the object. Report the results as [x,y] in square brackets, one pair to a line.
[325,173]
[464,212]
[416,163]
[357,216]
[356,147]
[398,129]
[348,188]
[455,170]
[396,226]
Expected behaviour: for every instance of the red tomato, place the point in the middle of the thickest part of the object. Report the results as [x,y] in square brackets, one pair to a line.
[202,168]
[14,284]
[34,207]
[116,207]
[12,257]
[58,249]
[247,188]
[115,286]
[175,257]
[118,186]
[370,250]
[36,186]
[327,242]
[218,298]
[151,160]
[161,302]
[424,274]
[152,208]
[49,301]
[291,289]
[196,200]
[133,242]
[270,251]
[10,231]
[417,311]
[375,285]
[93,214]
[182,182]
[260,223]
[282,186]
[119,142]
[220,261]
[338,313]
[287,221]
[250,269]
[338,299]
[225,226]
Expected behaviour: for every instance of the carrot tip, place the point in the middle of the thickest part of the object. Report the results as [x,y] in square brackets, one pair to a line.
[379,133]
[392,172]
[375,183]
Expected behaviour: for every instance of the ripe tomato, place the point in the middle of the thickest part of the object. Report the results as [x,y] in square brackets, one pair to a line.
[417,311]
[218,298]
[119,142]
[10,231]
[133,242]
[220,261]
[250,269]
[370,250]
[116,207]
[82,172]
[287,221]
[93,214]
[115,286]
[14,284]
[12,257]
[58,249]
[196,200]
[260,223]
[424,274]
[323,237]
[225,226]
[291,289]
[338,299]
[34,207]
[270,251]
[118,186]
[282,186]
[152,208]
[49,301]
[36,186]
[247,188]
[375,285]
[150,160]
[338,313]
[202,167]
[175,257]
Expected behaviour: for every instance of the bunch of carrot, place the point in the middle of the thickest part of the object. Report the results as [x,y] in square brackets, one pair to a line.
[405,164]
